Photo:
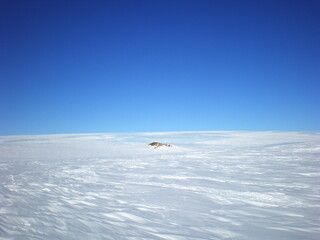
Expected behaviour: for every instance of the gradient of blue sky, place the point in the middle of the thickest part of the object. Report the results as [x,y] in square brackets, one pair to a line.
[161,65]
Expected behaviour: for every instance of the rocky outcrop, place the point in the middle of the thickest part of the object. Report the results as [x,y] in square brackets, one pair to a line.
[158,144]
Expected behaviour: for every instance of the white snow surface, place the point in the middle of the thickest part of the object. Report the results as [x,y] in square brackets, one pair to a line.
[209,185]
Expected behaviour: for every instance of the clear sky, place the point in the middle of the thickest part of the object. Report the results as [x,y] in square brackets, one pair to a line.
[159,65]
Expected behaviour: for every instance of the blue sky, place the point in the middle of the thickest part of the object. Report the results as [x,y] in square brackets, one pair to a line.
[161,65]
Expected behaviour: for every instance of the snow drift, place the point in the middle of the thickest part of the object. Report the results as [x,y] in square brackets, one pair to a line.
[209,185]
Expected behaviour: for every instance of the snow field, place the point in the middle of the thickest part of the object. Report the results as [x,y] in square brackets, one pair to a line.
[210,185]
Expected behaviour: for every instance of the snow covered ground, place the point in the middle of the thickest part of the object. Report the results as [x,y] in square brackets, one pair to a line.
[209,185]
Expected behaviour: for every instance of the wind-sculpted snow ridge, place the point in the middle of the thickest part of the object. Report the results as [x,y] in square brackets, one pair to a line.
[209,185]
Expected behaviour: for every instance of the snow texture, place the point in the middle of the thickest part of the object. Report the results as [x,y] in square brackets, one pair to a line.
[209,185]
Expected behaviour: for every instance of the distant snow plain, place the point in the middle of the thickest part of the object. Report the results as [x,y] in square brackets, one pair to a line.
[209,185]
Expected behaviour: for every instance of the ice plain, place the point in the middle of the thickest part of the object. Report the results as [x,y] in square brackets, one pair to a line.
[209,185]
